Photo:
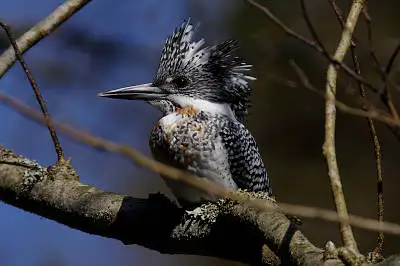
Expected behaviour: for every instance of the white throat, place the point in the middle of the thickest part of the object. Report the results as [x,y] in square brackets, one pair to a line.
[205,106]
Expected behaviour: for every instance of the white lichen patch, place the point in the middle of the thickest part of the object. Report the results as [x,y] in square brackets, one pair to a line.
[205,213]
[198,222]
[33,176]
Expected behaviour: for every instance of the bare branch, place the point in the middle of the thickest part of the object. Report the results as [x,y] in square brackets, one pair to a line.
[330,120]
[200,183]
[284,27]
[392,59]
[371,125]
[378,160]
[252,231]
[235,232]
[306,83]
[312,44]
[232,230]
[373,113]
[385,78]
[343,66]
[39,98]
[312,29]
[40,30]
[386,96]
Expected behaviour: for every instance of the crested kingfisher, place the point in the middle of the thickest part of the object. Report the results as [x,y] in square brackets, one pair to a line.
[203,95]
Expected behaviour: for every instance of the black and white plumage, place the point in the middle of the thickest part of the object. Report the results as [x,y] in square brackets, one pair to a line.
[203,94]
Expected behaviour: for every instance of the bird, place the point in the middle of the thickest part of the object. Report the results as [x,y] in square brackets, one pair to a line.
[203,94]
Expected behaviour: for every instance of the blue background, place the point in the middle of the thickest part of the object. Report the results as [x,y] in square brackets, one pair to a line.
[108,45]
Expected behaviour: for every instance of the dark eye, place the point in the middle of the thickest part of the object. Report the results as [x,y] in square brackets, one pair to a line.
[180,82]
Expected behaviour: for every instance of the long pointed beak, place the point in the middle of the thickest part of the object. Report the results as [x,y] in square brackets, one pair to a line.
[139,92]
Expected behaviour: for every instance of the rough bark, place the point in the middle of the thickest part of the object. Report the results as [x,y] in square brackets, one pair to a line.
[238,233]
[231,230]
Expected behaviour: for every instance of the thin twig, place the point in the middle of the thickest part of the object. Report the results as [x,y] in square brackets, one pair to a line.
[329,148]
[284,27]
[392,59]
[385,93]
[386,96]
[378,159]
[312,29]
[40,30]
[312,44]
[373,113]
[385,78]
[368,20]
[371,48]
[328,215]
[39,98]
[190,179]
[377,146]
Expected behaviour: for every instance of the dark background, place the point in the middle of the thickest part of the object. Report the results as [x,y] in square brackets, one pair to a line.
[110,44]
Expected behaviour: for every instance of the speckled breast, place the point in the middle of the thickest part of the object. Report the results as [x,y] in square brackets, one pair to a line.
[179,138]
[191,141]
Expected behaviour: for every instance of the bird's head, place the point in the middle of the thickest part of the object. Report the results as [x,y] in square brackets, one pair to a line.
[191,74]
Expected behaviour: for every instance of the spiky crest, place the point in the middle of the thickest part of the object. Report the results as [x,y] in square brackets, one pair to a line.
[213,68]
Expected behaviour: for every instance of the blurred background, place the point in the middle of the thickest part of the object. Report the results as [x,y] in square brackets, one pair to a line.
[108,45]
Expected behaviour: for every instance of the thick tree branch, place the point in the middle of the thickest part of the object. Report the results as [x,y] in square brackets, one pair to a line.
[198,182]
[239,233]
[250,230]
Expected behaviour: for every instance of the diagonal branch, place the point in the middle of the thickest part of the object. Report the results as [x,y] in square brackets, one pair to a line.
[247,231]
[312,29]
[39,98]
[312,44]
[229,230]
[385,92]
[386,96]
[192,180]
[40,30]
